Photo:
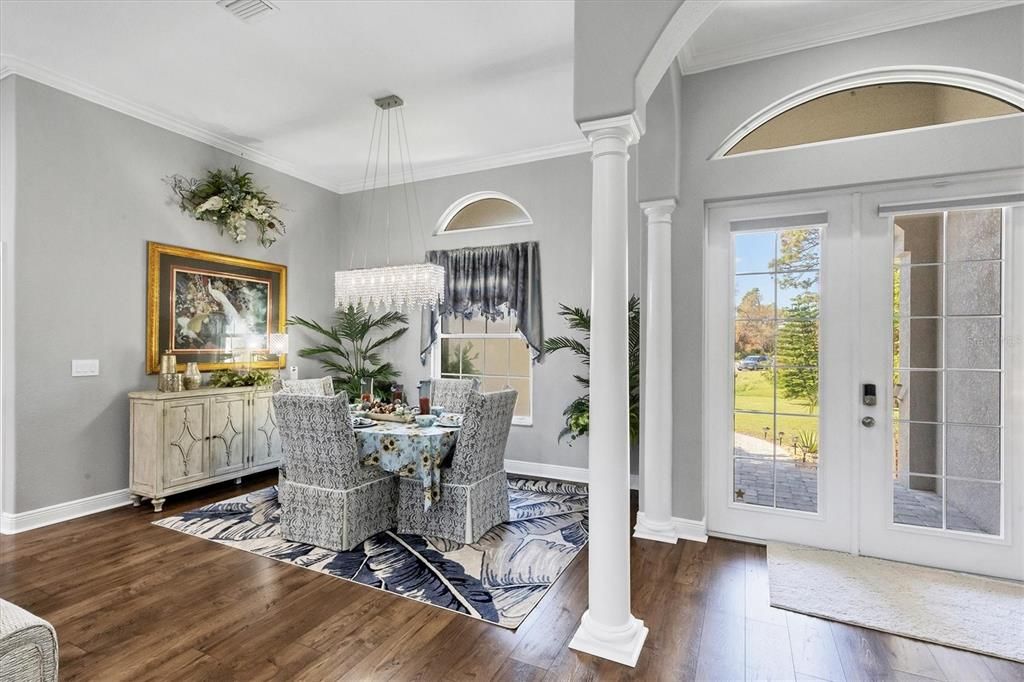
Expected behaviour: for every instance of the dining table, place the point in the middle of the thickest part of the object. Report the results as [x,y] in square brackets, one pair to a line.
[409,450]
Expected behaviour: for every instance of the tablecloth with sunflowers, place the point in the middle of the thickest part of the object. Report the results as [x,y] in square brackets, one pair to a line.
[408,450]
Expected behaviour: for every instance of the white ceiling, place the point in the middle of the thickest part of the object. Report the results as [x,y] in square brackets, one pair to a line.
[486,83]
[480,79]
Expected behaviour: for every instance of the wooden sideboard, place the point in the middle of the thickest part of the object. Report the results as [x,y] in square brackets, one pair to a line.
[189,439]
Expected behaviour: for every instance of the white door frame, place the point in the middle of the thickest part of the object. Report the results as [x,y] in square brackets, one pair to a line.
[863,201]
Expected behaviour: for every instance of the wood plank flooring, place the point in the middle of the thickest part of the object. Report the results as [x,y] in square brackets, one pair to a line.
[133,601]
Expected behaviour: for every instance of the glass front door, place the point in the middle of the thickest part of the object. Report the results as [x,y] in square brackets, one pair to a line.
[864,386]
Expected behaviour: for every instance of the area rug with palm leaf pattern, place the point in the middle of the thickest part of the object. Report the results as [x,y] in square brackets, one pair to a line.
[499,579]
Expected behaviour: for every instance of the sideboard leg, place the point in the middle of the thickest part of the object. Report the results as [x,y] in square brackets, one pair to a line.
[238,481]
[136,500]
[158,504]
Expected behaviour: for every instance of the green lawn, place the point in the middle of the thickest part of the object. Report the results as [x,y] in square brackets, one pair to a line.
[754,392]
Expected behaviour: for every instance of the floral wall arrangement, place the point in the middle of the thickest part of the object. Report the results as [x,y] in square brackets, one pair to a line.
[230,200]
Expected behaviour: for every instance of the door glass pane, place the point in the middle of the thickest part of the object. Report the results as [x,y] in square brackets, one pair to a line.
[754,252]
[973,342]
[776,443]
[973,451]
[973,506]
[917,501]
[754,481]
[947,340]
[974,288]
[919,448]
[755,297]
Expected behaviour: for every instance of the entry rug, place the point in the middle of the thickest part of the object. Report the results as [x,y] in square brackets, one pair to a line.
[964,611]
[499,579]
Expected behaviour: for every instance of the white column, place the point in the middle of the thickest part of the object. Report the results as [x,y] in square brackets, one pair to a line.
[654,521]
[607,628]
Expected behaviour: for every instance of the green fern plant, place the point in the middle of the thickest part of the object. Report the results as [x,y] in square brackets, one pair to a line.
[577,413]
[352,347]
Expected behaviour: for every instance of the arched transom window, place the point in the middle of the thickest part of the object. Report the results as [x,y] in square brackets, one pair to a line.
[481,211]
[896,101]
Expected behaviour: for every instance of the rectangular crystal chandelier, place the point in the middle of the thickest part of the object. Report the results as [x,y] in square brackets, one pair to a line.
[416,285]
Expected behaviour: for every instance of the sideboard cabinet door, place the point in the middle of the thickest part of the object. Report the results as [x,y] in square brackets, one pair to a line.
[228,433]
[185,452]
[266,438]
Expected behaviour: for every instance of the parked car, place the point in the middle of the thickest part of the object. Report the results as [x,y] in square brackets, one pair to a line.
[753,362]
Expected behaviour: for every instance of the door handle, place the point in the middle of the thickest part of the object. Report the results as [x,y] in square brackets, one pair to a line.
[868,421]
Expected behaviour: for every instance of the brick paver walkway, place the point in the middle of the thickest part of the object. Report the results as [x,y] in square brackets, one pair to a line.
[796,487]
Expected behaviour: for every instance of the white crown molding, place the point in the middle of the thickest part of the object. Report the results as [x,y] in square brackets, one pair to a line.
[10,65]
[804,37]
[65,511]
[557,472]
[443,170]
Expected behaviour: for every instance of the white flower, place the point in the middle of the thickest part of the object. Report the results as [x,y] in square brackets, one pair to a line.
[214,203]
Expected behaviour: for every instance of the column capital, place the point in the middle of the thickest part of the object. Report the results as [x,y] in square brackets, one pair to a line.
[658,209]
[626,127]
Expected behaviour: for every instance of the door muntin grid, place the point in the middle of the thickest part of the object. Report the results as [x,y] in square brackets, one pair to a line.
[776,324]
[948,318]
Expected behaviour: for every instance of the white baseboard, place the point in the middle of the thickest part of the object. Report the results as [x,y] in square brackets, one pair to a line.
[684,529]
[65,511]
[557,472]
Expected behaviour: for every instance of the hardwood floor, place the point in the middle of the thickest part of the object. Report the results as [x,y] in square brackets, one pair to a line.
[133,601]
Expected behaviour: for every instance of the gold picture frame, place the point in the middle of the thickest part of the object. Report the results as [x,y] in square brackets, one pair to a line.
[212,309]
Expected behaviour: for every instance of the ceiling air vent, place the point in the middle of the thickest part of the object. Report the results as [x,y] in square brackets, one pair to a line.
[248,10]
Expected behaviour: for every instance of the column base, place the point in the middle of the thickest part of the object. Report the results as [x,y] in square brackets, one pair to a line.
[661,531]
[621,645]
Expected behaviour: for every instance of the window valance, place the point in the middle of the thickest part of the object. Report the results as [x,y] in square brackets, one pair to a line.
[489,281]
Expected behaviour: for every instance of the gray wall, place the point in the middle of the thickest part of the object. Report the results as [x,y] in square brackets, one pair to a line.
[716,102]
[89,196]
[556,193]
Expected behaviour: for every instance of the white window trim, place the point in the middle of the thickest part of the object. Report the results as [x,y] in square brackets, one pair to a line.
[446,217]
[435,365]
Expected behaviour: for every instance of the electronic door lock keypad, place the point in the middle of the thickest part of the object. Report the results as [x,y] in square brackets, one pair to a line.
[869,395]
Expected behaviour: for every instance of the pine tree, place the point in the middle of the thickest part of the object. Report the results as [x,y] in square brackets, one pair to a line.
[797,350]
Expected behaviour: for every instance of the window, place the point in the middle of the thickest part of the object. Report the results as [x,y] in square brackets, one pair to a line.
[482,211]
[862,110]
[775,414]
[492,352]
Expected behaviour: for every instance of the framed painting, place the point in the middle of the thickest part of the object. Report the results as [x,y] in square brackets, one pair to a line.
[213,309]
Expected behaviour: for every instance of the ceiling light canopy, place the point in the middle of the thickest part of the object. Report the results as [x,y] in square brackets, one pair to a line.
[415,285]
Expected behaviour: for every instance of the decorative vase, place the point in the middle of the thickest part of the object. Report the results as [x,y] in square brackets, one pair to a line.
[193,379]
[168,363]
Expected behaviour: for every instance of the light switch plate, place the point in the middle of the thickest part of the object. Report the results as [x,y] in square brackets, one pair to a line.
[85,368]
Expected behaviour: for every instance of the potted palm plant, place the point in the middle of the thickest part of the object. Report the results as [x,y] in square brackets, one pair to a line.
[351,350]
[577,414]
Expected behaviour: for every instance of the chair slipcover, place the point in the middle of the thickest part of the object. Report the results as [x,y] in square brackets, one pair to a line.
[28,646]
[474,491]
[329,499]
[452,394]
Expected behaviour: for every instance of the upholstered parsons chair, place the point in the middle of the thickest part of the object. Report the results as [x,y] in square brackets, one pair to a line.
[328,499]
[474,490]
[452,394]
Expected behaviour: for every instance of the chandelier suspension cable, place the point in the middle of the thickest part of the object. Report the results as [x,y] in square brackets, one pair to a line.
[405,188]
[362,194]
[417,284]
[412,179]
[387,198]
